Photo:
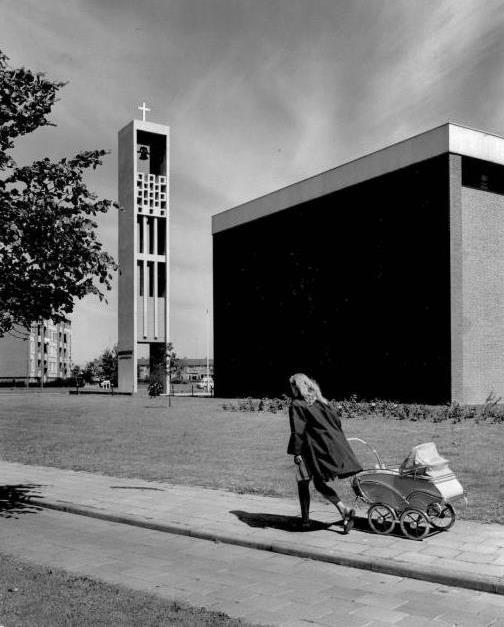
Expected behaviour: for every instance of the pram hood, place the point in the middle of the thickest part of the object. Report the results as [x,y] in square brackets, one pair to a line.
[424,456]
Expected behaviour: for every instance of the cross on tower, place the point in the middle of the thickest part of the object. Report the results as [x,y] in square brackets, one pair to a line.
[144,110]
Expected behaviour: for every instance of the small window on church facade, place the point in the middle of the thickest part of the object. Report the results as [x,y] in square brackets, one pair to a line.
[478,174]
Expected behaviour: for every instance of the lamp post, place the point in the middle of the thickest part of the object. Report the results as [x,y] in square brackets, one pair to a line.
[207,350]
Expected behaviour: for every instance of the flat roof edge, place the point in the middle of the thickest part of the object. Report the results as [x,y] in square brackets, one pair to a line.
[146,125]
[442,139]
[477,144]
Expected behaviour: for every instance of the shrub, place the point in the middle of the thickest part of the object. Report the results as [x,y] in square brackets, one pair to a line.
[272,405]
[492,410]
[155,388]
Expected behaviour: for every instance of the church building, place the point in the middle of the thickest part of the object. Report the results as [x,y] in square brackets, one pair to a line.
[381,278]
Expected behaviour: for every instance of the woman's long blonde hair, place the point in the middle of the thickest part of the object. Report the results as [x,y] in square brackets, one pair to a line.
[306,389]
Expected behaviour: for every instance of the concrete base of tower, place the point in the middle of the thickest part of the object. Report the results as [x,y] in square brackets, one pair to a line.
[127,371]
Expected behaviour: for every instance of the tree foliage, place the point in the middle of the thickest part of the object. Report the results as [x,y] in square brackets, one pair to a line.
[49,250]
[78,375]
[167,363]
[103,367]
[90,372]
[109,365]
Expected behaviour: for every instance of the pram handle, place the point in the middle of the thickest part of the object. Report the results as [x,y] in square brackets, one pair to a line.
[381,464]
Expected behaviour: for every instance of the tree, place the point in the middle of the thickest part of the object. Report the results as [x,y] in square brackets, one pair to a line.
[91,371]
[103,367]
[108,365]
[164,362]
[49,250]
[173,364]
[78,376]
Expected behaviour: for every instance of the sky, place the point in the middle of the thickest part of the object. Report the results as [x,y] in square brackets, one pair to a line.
[258,94]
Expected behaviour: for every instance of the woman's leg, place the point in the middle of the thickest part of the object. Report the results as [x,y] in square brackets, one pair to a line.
[331,495]
[304,501]
[347,513]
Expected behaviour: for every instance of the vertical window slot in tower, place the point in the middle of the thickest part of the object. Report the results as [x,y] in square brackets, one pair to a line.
[150,272]
[161,280]
[151,236]
[140,232]
[161,236]
[140,278]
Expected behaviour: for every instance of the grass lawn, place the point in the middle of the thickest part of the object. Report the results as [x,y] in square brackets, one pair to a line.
[37,595]
[196,442]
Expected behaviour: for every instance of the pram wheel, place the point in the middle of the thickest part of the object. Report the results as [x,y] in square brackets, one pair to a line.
[442,516]
[414,523]
[381,518]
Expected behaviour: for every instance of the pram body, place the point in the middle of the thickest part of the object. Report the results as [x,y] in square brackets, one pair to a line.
[417,494]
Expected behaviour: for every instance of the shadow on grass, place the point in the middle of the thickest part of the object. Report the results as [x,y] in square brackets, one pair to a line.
[15,500]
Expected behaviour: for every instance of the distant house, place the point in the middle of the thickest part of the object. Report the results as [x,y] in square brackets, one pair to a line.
[196,369]
[191,369]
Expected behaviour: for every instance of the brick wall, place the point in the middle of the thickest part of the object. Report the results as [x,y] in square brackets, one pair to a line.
[483,294]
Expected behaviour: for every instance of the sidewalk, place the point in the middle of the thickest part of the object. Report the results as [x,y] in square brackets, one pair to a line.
[470,555]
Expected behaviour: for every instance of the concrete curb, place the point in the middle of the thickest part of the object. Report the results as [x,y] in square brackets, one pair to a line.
[483,583]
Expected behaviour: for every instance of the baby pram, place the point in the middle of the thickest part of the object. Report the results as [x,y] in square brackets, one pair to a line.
[416,494]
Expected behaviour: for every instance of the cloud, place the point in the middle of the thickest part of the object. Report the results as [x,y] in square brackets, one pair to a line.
[257,94]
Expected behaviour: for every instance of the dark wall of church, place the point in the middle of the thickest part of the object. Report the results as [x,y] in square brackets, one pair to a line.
[352,288]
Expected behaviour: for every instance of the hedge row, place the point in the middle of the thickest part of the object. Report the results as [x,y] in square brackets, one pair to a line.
[490,411]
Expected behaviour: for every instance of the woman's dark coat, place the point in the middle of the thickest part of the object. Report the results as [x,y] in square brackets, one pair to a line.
[317,436]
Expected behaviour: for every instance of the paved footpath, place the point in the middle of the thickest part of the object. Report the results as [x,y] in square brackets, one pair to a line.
[470,555]
[258,586]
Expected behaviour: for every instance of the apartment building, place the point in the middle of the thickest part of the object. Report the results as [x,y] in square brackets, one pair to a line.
[43,352]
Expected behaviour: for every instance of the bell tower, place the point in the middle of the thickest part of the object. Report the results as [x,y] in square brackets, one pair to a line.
[143,247]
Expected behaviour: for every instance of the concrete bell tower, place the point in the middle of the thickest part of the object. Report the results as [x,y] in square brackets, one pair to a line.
[143,247]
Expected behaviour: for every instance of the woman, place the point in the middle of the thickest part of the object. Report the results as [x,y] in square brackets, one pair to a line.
[320,448]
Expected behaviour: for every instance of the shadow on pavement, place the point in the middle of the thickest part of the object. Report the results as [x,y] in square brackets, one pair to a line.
[361,524]
[293,524]
[278,521]
[15,500]
[135,487]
